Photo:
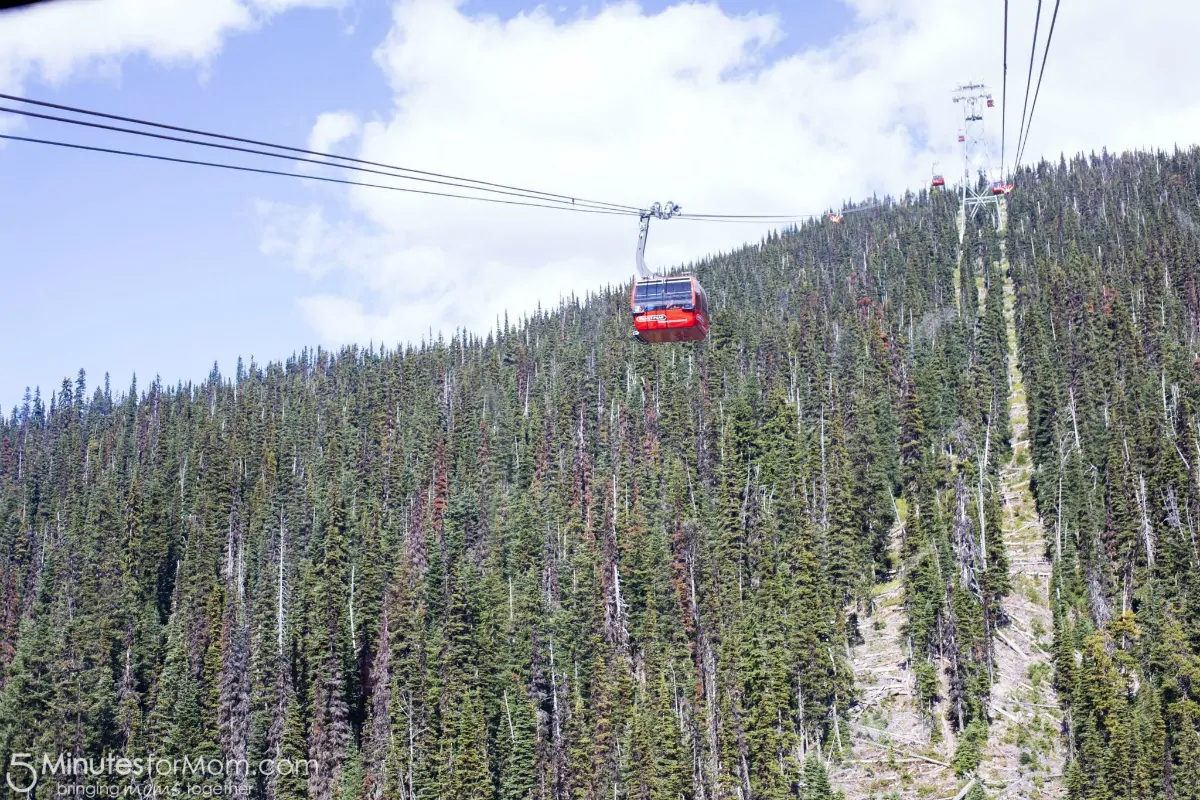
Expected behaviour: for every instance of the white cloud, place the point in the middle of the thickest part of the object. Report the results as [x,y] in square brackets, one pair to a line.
[56,41]
[279,6]
[331,129]
[632,108]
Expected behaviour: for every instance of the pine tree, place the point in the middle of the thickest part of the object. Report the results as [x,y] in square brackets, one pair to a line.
[816,780]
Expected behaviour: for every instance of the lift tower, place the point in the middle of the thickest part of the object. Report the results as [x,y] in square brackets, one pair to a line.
[974,98]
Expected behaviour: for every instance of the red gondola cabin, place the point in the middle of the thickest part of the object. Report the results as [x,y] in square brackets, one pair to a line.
[997,188]
[938,180]
[962,138]
[673,309]
[991,103]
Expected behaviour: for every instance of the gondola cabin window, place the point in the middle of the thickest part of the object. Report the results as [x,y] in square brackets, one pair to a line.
[657,294]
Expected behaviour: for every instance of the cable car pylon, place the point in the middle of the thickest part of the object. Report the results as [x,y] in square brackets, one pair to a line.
[974,98]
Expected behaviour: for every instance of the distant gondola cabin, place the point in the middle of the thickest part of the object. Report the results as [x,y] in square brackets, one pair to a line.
[938,180]
[997,188]
[673,309]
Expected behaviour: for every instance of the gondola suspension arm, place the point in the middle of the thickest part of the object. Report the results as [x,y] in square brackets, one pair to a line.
[661,211]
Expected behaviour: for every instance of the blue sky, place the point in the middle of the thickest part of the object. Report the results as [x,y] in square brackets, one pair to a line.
[119,265]
[124,265]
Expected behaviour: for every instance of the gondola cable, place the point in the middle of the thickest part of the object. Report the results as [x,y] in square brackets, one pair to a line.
[1004,91]
[541,199]
[757,219]
[746,218]
[269,154]
[1037,91]
[261,171]
[1029,78]
[482,185]
[768,218]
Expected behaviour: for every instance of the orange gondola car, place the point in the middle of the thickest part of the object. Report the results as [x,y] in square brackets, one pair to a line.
[670,309]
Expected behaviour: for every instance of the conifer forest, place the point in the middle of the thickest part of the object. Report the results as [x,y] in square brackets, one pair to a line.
[918,519]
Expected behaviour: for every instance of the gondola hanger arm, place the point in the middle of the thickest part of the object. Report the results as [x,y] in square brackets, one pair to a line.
[661,211]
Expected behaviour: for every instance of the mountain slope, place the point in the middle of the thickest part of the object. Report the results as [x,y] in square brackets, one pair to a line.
[549,562]
[1104,255]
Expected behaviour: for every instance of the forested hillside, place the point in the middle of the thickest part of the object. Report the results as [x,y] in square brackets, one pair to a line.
[549,562]
[1106,254]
